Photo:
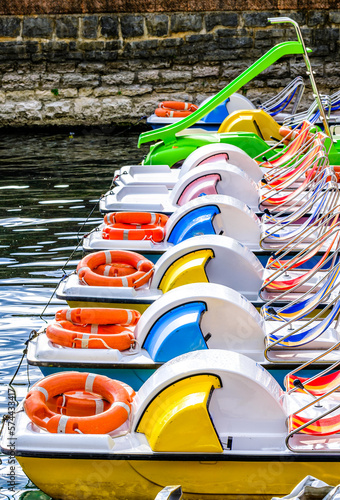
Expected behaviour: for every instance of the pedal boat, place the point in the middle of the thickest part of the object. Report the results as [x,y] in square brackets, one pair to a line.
[219,215]
[213,258]
[163,175]
[198,317]
[203,180]
[215,422]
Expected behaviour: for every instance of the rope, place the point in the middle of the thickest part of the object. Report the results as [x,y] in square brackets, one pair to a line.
[33,334]
[130,127]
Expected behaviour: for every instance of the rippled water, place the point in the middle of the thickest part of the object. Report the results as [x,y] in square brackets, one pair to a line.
[48,187]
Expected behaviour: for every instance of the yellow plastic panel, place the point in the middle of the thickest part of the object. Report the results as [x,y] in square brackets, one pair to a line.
[188,269]
[256,121]
[177,420]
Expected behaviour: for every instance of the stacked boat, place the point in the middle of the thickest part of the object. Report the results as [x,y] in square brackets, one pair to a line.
[202,325]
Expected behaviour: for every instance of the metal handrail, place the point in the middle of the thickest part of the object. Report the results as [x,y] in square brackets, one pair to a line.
[308,65]
[330,188]
[289,264]
[302,296]
[286,249]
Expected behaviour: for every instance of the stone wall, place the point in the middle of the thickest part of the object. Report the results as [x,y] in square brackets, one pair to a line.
[86,69]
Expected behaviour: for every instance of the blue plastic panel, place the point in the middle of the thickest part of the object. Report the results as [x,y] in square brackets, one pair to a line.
[218,114]
[176,332]
[194,223]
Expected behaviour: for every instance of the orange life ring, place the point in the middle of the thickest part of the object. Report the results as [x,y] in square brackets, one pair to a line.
[115,268]
[171,113]
[118,395]
[137,218]
[78,404]
[99,316]
[154,233]
[134,226]
[178,106]
[289,133]
[67,334]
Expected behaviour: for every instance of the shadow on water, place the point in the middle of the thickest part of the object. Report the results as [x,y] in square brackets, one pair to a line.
[48,186]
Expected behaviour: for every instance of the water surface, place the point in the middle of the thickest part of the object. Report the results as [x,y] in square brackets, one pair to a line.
[49,185]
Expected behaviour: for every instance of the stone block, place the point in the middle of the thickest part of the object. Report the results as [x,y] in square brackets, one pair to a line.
[185,21]
[332,68]
[279,70]
[20,95]
[87,67]
[148,76]
[176,76]
[326,35]
[317,17]
[90,26]
[23,110]
[12,50]
[85,92]
[87,107]
[65,67]
[157,24]
[9,27]
[57,109]
[121,78]
[169,87]
[79,80]
[32,47]
[44,95]
[205,71]
[68,93]
[220,19]
[256,19]
[2,97]
[334,17]
[105,91]
[88,46]
[50,80]
[202,39]
[236,43]
[13,81]
[67,27]
[116,107]
[109,26]
[114,45]
[132,25]
[134,90]
[37,27]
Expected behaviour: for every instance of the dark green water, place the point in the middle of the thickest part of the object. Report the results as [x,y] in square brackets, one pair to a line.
[48,186]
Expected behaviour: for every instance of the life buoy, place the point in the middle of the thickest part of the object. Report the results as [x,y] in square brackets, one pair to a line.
[67,334]
[99,316]
[155,233]
[134,226]
[136,218]
[178,106]
[118,395]
[288,133]
[170,113]
[78,404]
[115,268]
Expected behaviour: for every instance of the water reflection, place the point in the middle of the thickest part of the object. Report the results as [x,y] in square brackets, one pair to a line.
[50,184]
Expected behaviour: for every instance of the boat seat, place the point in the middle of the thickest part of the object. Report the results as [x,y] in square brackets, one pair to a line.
[187,269]
[206,184]
[309,334]
[323,427]
[176,332]
[198,221]
[302,308]
[318,386]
